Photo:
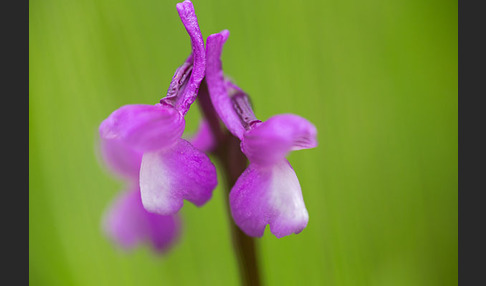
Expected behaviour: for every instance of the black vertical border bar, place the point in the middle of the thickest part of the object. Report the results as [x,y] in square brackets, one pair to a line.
[14,22]
[471,142]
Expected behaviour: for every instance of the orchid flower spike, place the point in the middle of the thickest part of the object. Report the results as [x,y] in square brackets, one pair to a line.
[268,191]
[172,169]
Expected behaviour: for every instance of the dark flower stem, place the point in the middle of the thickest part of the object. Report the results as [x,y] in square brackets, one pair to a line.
[234,162]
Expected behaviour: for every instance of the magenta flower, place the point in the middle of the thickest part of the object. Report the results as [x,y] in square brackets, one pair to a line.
[172,169]
[143,144]
[126,222]
[268,191]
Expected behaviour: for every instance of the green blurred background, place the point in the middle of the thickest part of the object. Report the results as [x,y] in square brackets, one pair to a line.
[378,79]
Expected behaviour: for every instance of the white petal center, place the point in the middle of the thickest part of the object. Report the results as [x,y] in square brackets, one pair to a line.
[155,183]
[286,195]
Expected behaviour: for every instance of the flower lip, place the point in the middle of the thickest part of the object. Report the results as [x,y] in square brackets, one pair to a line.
[170,176]
[270,196]
[128,224]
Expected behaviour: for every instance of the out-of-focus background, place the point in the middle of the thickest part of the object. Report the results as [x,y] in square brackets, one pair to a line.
[377,78]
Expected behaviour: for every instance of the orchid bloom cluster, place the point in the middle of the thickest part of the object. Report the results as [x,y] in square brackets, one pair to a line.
[144,145]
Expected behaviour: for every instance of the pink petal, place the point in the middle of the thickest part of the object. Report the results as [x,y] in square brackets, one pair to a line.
[120,158]
[270,141]
[271,196]
[144,127]
[128,224]
[189,20]
[169,176]
[217,86]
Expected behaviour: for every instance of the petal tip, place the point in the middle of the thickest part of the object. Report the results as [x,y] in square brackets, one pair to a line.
[285,230]
[225,34]
[185,6]
[155,205]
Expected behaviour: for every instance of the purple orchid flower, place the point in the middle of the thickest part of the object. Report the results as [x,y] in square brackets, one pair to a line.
[172,169]
[126,222]
[268,191]
[143,144]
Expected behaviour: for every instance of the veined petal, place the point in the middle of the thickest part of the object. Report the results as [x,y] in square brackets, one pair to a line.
[217,86]
[179,82]
[169,176]
[270,141]
[203,139]
[128,224]
[189,20]
[268,195]
[144,127]
[121,158]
